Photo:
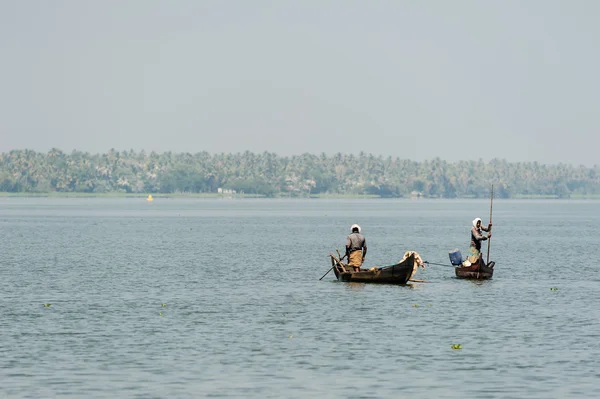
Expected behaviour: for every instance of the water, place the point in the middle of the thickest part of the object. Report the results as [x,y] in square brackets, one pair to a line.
[246,314]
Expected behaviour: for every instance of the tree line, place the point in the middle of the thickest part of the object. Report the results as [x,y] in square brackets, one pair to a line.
[270,175]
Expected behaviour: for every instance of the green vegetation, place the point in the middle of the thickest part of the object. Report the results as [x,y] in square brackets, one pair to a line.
[25,172]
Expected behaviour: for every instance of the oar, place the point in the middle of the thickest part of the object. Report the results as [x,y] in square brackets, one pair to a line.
[490,239]
[331,268]
[327,273]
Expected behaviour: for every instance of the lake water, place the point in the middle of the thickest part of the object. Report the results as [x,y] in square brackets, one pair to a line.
[246,315]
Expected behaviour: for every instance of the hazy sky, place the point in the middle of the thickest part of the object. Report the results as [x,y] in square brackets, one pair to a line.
[512,79]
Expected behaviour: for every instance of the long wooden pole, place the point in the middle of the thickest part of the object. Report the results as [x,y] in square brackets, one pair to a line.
[490,239]
[332,265]
[327,273]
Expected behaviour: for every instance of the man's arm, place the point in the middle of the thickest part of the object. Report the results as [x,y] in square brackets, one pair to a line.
[478,236]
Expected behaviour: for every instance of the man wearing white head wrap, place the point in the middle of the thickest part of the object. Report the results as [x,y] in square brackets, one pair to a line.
[476,234]
[356,248]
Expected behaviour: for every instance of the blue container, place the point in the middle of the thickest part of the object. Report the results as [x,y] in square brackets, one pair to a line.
[455,257]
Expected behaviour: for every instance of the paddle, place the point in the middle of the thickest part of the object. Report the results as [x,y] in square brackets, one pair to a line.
[327,273]
[332,266]
[490,239]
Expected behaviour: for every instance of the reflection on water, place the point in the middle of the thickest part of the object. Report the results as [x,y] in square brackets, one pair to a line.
[479,283]
[355,287]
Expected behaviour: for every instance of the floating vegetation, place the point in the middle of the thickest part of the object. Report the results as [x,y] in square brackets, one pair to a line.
[160,314]
[164,304]
[47,305]
[456,346]
[554,289]
[415,306]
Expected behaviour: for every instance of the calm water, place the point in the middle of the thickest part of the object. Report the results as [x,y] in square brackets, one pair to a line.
[246,314]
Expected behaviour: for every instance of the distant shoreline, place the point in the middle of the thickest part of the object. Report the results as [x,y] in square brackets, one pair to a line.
[256,196]
[113,174]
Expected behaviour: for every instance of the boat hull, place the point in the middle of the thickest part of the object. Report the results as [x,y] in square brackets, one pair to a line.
[399,273]
[477,271]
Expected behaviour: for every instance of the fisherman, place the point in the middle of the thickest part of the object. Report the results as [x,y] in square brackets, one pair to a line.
[476,238]
[356,248]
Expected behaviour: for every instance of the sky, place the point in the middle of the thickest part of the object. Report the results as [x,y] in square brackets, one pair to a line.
[459,80]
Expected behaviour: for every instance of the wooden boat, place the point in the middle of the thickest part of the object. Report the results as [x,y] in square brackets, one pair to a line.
[399,273]
[478,270]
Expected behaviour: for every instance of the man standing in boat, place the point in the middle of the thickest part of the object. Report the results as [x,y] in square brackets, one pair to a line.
[356,248]
[476,238]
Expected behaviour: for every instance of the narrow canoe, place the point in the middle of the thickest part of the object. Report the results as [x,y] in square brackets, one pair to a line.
[478,270]
[399,273]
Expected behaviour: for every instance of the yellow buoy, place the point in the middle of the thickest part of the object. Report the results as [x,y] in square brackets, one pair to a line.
[150,198]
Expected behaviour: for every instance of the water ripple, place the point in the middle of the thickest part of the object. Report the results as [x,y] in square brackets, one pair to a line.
[244,314]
